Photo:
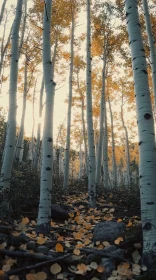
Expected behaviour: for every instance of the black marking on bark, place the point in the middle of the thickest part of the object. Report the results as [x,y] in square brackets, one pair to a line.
[44,180]
[10,146]
[48,156]
[127,14]
[136,68]
[150,203]
[50,139]
[147,116]
[148,184]
[147,226]
[142,50]
[140,143]
[144,71]
[46,11]
[140,176]
[138,24]
[48,168]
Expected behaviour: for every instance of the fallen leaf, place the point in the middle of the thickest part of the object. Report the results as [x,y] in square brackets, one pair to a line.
[2,275]
[41,275]
[31,276]
[93,265]
[6,267]
[76,252]
[136,256]
[55,268]
[25,221]
[41,240]
[100,269]
[13,277]
[82,268]
[59,247]
[118,240]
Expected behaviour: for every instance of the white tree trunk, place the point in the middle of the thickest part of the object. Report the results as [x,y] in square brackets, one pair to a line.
[81,162]
[67,149]
[2,10]
[147,149]
[114,168]
[127,154]
[33,123]
[91,146]
[151,41]
[20,140]
[38,141]
[11,127]
[83,125]
[105,152]
[44,215]
[102,112]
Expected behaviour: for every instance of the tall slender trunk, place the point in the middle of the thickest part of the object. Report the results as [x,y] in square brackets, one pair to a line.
[37,149]
[127,153]
[105,151]
[102,112]
[44,214]
[33,122]
[83,124]
[11,127]
[151,41]
[2,10]
[81,161]
[23,27]
[91,147]
[147,149]
[114,168]
[67,149]
[4,47]
[20,140]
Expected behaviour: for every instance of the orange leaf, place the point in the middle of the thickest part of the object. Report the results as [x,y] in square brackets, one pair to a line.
[118,240]
[100,268]
[2,275]
[41,240]
[129,224]
[25,221]
[30,276]
[59,247]
[76,252]
[41,275]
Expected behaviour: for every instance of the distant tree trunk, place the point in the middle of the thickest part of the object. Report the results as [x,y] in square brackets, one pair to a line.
[151,41]
[91,147]
[44,215]
[11,127]
[105,152]
[20,140]
[38,141]
[127,154]
[23,27]
[4,47]
[102,112]
[114,168]
[147,149]
[67,149]
[33,122]
[81,162]
[2,10]
[83,125]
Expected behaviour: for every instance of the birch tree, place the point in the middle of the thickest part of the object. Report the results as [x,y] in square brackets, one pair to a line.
[2,10]
[44,214]
[91,146]
[11,127]
[67,149]
[147,149]
[151,41]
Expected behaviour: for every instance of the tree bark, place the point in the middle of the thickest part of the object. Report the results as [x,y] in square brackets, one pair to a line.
[91,146]
[11,127]
[67,149]
[2,11]
[44,214]
[151,41]
[147,149]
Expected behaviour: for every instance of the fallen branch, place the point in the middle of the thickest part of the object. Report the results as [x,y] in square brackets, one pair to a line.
[30,267]
[25,254]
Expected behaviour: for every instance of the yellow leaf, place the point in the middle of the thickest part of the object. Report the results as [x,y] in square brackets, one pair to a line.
[16,233]
[41,275]
[119,220]
[76,252]
[59,247]
[100,269]
[10,261]
[60,238]
[41,240]
[118,240]
[129,224]
[25,221]
[106,243]
[82,268]
[55,268]
[31,276]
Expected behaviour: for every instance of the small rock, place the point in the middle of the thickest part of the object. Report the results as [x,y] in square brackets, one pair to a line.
[42,249]
[59,212]
[31,245]
[108,231]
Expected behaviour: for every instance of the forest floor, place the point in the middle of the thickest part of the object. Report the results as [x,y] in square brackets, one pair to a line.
[70,252]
